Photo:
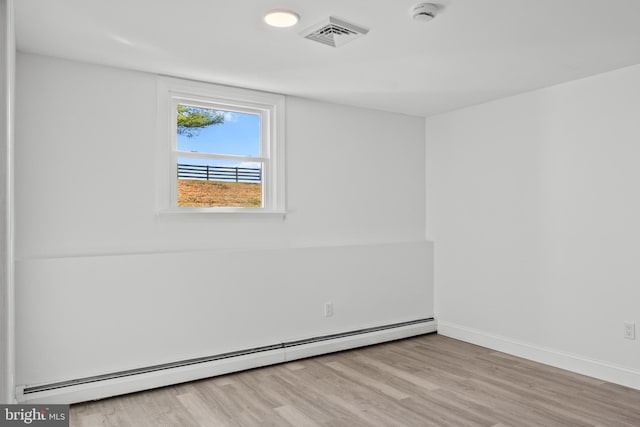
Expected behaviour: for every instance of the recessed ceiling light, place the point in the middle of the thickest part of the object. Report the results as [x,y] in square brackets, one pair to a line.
[281,18]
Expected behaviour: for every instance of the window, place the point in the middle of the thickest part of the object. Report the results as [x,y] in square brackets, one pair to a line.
[222,148]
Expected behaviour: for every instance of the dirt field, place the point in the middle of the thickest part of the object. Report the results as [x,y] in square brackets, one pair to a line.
[219,194]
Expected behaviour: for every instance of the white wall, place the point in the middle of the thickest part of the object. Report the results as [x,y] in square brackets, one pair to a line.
[534,207]
[86,180]
[7,64]
[125,288]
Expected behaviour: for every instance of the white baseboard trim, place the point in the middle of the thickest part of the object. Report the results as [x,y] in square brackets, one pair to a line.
[559,359]
[103,388]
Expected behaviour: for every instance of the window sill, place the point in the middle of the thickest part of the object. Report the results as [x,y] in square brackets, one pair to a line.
[257,212]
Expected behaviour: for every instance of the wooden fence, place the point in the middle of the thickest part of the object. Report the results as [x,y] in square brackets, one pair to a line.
[219,173]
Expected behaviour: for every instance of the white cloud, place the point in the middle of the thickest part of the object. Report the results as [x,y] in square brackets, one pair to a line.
[229,116]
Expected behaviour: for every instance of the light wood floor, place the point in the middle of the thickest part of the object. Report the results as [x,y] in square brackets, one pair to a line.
[424,381]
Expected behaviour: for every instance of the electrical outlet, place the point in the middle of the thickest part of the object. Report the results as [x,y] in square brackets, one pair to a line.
[630,330]
[328,309]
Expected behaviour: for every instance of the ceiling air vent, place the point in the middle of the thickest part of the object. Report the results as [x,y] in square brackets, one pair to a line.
[334,32]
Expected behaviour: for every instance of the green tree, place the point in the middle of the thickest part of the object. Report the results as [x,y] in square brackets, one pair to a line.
[192,119]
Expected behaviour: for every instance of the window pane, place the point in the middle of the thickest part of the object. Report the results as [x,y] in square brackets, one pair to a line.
[204,130]
[219,183]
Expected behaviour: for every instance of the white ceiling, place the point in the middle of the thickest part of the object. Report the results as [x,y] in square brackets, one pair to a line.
[474,51]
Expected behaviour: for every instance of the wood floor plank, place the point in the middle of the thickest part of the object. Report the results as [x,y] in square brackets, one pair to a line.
[356,376]
[296,391]
[355,402]
[294,366]
[92,420]
[404,375]
[423,381]
[295,417]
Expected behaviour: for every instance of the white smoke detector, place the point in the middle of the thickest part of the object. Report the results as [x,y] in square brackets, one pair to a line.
[424,11]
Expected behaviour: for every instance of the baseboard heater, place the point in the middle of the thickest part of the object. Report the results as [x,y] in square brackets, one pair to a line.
[128,381]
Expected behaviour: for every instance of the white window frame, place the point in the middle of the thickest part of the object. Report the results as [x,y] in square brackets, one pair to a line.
[270,107]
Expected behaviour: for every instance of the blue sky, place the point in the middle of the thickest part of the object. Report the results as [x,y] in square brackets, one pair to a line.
[239,135]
